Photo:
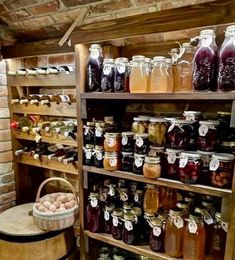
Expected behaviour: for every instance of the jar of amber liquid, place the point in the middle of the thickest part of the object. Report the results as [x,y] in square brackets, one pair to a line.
[174,233]
[117,224]
[157,131]
[108,210]
[112,142]
[151,199]
[129,229]
[111,161]
[152,167]
[194,238]
[157,232]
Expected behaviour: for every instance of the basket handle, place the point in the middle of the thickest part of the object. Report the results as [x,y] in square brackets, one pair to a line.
[55,179]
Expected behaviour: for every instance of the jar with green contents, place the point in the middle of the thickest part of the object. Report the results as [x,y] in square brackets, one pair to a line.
[157,129]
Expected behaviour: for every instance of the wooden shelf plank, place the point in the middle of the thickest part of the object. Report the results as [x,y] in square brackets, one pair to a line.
[203,189]
[141,250]
[48,164]
[63,109]
[52,138]
[161,96]
[50,80]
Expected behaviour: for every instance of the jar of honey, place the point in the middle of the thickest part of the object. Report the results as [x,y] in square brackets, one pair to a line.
[112,142]
[157,129]
[184,207]
[151,199]
[141,144]
[111,161]
[152,167]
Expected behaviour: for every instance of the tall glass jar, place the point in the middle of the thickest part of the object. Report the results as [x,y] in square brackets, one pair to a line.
[94,68]
[170,200]
[174,57]
[170,76]
[174,233]
[157,129]
[107,77]
[226,77]
[99,132]
[121,75]
[194,238]
[117,223]
[112,142]
[159,77]
[205,62]
[157,232]
[108,210]
[138,75]
[89,131]
[129,233]
[151,199]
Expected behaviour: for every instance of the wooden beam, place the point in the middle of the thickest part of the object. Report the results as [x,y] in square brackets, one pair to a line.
[217,12]
[35,48]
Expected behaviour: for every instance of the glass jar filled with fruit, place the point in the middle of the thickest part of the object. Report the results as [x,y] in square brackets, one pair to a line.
[157,129]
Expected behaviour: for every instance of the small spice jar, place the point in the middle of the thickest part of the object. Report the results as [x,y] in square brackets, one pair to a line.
[99,132]
[156,238]
[141,143]
[127,142]
[117,222]
[140,125]
[221,170]
[207,138]
[111,161]
[108,210]
[152,167]
[129,229]
[138,163]
[190,167]
[127,161]
[89,154]
[98,156]
[112,142]
[157,129]
[89,130]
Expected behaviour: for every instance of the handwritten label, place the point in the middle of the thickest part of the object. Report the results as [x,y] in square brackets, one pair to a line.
[203,129]
[139,141]
[138,162]
[179,223]
[171,158]
[183,162]
[115,221]
[94,202]
[214,164]
[124,140]
[192,226]
[128,225]
[106,215]
[157,231]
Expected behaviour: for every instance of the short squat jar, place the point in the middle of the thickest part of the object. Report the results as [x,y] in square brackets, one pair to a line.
[127,161]
[138,163]
[111,161]
[141,144]
[152,167]
[127,142]
[112,142]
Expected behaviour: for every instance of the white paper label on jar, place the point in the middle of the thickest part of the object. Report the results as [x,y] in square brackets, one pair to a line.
[136,197]
[208,219]
[128,225]
[113,162]
[107,70]
[214,164]
[110,142]
[139,141]
[99,156]
[192,226]
[124,140]
[183,162]
[115,221]
[171,158]
[121,68]
[94,202]
[95,54]
[106,215]
[64,98]
[157,231]
[86,130]
[224,226]
[171,127]
[38,138]
[190,117]
[179,223]
[88,155]
[203,129]
[98,132]
[138,162]
[111,191]
[124,196]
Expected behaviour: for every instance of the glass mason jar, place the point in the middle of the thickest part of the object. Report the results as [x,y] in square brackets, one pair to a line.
[121,75]
[117,226]
[151,199]
[127,161]
[170,200]
[138,163]
[94,214]
[194,238]
[98,156]
[140,125]
[174,233]
[127,142]
[190,167]
[111,161]
[221,170]
[94,68]
[129,233]
[177,136]
[141,144]
[88,152]
[112,142]
[207,138]
[159,77]
[152,167]
[157,129]
[205,62]
[157,232]
[88,134]
[184,68]
[99,132]
[148,63]
[108,210]
[107,77]
[170,76]
[226,74]
[138,75]
[140,238]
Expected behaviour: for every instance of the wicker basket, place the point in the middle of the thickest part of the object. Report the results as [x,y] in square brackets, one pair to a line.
[58,220]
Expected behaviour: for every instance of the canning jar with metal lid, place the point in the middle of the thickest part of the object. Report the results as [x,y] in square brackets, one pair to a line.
[111,161]
[152,167]
[157,129]
[141,144]
[127,141]
[112,142]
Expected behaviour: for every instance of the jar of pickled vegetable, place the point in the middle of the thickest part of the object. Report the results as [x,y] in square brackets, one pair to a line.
[177,136]
[152,167]
[194,238]
[129,229]
[98,156]
[174,233]
[157,129]
[111,161]
[127,161]
[206,157]
[140,125]
[89,130]
[138,163]
[117,222]
[151,199]
[99,132]
[141,144]
[127,142]
[108,210]
[221,170]
[112,142]
[89,154]
[207,138]
[190,167]
[156,238]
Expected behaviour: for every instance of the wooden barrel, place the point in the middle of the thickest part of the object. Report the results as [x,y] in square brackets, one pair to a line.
[21,239]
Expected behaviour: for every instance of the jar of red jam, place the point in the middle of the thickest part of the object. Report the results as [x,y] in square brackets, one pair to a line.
[88,133]
[127,142]
[177,136]
[140,125]
[206,157]
[98,156]
[190,167]
[108,210]
[129,229]
[88,154]
[157,232]
[138,163]
[112,142]
[221,170]
[117,222]
[99,132]
[152,167]
[112,161]
[127,161]
[141,144]
[207,135]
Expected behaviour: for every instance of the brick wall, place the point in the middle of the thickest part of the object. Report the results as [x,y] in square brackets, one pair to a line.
[7,182]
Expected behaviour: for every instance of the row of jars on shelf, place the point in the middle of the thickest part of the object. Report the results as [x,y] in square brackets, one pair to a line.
[191,71]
